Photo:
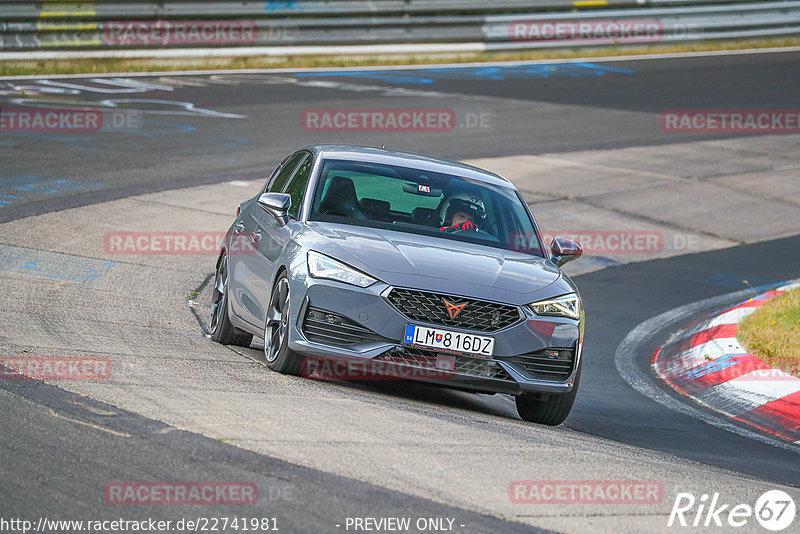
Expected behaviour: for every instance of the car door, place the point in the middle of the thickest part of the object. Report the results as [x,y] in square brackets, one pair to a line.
[259,240]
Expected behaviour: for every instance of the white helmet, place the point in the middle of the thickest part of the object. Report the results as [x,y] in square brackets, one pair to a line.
[462,201]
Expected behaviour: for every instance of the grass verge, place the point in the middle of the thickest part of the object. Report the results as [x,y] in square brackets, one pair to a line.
[100,66]
[772,333]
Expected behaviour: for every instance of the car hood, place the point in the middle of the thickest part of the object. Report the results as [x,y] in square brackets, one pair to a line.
[398,258]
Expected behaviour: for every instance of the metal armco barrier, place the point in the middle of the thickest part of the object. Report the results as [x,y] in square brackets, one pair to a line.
[667,24]
[27,26]
[32,9]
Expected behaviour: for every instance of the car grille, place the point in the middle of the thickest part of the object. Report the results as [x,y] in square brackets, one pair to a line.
[325,327]
[430,308]
[545,367]
[463,365]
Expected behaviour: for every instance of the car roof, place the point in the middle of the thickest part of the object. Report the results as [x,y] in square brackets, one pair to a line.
[406,159]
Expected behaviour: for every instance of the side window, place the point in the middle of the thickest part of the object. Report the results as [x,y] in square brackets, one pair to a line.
[273,174]
[297,186]
[283,176]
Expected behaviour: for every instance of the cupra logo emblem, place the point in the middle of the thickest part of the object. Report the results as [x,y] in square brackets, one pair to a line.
[454,309]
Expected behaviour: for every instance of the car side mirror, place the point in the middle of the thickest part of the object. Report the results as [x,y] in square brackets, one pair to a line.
[565,250]
[276,204]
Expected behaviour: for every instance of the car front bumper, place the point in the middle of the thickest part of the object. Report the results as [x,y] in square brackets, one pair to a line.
[361,331]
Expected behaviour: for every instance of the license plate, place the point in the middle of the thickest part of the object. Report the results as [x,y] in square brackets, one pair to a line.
[447,341]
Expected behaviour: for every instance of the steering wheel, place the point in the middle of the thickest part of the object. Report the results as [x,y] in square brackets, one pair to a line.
[478,233]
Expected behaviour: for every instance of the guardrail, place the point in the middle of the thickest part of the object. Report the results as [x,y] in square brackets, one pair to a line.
[662,24]
[90,9]
[330,26]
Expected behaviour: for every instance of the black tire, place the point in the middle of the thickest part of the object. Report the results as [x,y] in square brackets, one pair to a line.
[279,356]
[552,410]
[220,326]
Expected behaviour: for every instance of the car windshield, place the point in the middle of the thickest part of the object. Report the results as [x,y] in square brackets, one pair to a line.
[423,202]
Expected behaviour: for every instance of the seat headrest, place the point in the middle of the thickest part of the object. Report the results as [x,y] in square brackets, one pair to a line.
[425,216]
[340,199]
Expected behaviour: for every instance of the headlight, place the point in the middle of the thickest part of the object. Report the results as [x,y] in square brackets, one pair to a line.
[321,266]
[563,306]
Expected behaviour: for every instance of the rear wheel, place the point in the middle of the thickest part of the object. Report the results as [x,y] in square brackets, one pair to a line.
[552,410]
[279,356]
[222,331]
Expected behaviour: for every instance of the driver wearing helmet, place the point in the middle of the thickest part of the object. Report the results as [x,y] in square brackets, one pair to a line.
[462,211]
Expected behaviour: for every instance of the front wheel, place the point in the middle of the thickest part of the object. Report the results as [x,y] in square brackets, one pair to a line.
[221,328]
[279,356]
[552,410]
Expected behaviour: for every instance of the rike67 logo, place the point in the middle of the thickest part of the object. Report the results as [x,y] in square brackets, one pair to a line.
[774,510]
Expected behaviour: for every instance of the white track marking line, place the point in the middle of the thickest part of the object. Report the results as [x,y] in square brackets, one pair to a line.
[719,347]
[730,317]
[90,425]
[674,55]
[747,392]
[711,350]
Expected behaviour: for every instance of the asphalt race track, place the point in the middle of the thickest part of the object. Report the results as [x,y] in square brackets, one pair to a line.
[239,126]
[181,408]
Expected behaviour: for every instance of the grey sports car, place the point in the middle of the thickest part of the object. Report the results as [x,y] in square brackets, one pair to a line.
[415,267]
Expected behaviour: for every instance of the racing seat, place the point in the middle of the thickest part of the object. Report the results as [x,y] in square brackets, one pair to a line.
[425,217]
[377,210]
[341,199]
